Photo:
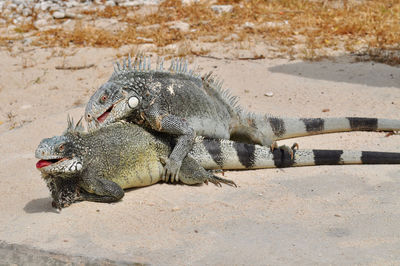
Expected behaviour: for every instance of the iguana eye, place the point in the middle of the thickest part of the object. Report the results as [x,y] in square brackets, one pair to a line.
[103,98]
[61,148]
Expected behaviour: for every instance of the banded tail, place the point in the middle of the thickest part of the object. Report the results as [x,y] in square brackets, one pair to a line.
[264,130]
[230,155]
[283,128]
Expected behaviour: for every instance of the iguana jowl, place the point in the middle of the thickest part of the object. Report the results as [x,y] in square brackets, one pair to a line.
[98,165]
[181,103]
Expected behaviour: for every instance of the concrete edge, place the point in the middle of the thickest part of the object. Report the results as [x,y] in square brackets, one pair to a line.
[25,255]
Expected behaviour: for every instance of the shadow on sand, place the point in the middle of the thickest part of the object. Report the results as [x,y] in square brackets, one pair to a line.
[365,73]
[40,205]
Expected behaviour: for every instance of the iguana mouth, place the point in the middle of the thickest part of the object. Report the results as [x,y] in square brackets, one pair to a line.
[105,114]
[44,163]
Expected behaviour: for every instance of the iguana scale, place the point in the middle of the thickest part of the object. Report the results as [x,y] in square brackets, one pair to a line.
[98,165]
[184,104]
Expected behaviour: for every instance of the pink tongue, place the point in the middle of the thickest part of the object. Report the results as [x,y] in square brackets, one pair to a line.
[103,117]
[42,163]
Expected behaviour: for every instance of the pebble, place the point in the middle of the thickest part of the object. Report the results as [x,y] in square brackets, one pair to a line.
[148,40]
[222,8]
[248,25]
[269,94]
[180,25]
[110,3]
[19,9]
[58,15]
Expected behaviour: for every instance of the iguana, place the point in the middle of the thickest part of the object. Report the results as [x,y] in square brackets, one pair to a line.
[181,103]
[98,165]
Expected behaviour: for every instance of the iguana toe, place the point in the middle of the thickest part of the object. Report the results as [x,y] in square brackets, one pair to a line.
[171,170]
[218,180]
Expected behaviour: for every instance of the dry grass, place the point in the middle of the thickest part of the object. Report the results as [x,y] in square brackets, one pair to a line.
[297,27]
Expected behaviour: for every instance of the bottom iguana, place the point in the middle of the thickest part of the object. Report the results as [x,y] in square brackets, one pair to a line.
[97,166]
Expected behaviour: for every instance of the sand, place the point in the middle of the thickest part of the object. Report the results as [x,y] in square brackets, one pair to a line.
[311,215]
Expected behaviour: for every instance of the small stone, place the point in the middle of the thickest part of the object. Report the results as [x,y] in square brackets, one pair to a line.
[110,3]
[180,25]
[272,24]
[54,7]
[12,6]
[19,2]
[140,3]
[248,25]
[149,27]
[58,15]
[189,2]
[70,4]
[18,20]
[69,14]
[148,40]
[27,12]
[222,8]
[20,8]
[269,94]
[44,6]
[232,37]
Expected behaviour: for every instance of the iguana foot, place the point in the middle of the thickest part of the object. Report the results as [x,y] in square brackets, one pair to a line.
[171,170]
[218,180]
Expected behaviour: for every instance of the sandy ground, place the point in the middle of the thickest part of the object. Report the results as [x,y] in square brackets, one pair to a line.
[312,215]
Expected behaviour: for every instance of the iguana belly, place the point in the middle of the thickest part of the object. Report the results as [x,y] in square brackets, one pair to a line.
[136,167]
[139,175]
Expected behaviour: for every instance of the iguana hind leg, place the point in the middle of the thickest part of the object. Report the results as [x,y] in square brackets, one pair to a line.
[192,173]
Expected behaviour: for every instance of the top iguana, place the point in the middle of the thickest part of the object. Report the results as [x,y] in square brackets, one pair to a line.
[98,165]
[181,103]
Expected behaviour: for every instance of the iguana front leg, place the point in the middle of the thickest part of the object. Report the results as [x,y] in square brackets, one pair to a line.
[178,126]
[100,190]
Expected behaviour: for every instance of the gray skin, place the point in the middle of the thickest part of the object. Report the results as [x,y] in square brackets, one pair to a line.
[98,165]
[183,104]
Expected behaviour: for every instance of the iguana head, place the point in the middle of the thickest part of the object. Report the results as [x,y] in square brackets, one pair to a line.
[60,164]
[120,95]
[61,154]
[110,103]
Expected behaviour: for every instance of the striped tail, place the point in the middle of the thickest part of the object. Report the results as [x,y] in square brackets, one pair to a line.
[283,128]
[225,154]
[335,157]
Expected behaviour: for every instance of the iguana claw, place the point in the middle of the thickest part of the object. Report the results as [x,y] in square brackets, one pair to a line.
[218,180]
[171,170]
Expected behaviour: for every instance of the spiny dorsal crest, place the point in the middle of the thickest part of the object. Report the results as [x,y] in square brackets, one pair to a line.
[213,86]
[142,64]
[74,128]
